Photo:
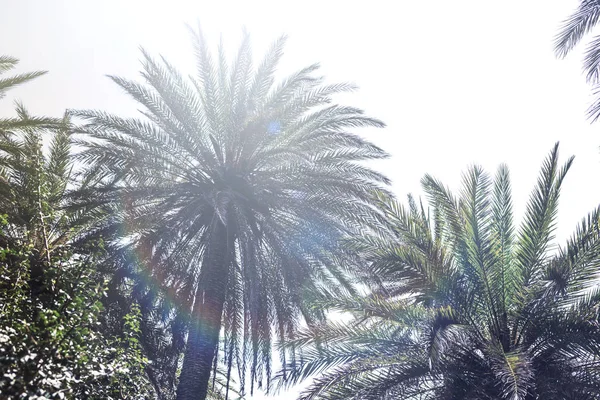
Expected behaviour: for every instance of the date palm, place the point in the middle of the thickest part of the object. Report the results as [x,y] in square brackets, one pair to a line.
[463,306]
[234,191]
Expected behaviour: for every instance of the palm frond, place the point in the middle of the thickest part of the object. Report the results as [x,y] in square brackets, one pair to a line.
[9,83]
[7,63]
[503,235]
[536,232]
[577,26]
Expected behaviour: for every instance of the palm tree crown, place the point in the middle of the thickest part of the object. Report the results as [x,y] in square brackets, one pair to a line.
[235,191]
[465,307]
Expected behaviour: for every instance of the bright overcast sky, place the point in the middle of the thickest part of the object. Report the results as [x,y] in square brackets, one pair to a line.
[457,82]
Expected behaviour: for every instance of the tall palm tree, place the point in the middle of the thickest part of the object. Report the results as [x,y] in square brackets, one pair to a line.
[572,31]
[464,307]
[235,191]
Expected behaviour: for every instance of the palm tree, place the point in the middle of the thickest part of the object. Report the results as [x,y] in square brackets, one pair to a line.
[235,191]
[462,306]
[572,31]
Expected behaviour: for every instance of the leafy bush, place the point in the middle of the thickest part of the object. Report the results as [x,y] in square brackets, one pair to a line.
[51,341]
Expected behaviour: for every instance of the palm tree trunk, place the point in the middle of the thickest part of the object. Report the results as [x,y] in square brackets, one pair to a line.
[203,339]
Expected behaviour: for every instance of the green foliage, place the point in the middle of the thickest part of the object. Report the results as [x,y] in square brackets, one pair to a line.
[462,307]
[51,346]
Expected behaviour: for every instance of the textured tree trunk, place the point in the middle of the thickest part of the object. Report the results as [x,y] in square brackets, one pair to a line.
[203,339]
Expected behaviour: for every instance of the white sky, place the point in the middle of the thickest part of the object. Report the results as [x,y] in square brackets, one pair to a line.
[459,82]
